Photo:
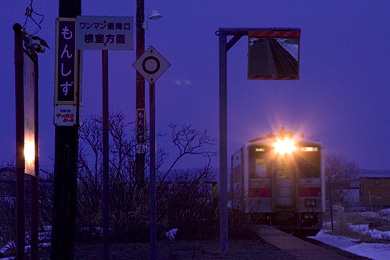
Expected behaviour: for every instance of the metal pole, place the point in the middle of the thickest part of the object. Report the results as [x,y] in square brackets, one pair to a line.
[106,187]
[19,131]
[140,90]
[153,218]
[223,224]
[35,179]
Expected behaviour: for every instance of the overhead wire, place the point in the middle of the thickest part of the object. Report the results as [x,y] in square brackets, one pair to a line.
[29,12]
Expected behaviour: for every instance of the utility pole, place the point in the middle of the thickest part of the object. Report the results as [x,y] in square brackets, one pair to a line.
[140,98]
[19,131]
[65,171]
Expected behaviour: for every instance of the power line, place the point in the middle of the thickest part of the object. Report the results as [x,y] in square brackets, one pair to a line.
[29,14]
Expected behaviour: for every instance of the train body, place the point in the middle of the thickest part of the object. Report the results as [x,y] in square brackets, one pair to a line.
[279,180]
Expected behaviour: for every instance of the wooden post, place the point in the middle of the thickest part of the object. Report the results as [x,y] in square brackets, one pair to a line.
[65,172]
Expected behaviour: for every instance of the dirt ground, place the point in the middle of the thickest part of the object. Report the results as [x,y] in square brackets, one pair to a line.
[186,250]
[175,250]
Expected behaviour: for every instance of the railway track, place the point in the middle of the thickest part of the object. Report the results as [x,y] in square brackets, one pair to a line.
[303,248]
[284,62]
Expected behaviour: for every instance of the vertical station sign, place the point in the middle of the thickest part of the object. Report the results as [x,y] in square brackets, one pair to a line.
[141,135]
[67,82]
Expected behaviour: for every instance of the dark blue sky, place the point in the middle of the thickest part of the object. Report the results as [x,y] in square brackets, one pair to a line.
[341,98]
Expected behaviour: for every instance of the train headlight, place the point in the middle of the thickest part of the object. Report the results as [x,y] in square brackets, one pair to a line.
[285,146]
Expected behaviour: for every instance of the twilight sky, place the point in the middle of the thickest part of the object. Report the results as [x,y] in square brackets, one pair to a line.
[341,98]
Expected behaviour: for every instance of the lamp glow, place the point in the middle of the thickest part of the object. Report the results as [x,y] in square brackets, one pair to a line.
[29,152]
[285,146]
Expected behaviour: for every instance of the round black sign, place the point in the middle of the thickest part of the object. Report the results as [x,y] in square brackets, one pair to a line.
[150,70]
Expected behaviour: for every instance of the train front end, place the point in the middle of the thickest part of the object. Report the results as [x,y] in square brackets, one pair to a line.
[279,180]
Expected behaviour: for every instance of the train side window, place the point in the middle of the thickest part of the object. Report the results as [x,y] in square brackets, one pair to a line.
[260,170]
[236,175]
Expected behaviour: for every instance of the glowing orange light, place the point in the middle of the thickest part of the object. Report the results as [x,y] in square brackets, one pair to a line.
[285,146]
[29,152]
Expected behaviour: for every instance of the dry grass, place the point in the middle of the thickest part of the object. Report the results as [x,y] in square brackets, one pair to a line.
[342,222]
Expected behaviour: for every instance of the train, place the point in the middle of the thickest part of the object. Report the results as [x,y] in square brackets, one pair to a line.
[279,180]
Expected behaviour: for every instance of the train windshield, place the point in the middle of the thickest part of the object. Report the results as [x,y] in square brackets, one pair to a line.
[283,169]
[309,162]
[257,163]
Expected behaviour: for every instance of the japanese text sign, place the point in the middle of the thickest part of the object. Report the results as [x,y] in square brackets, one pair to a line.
[66,79]
[65,115]
[141,135]
[104,32]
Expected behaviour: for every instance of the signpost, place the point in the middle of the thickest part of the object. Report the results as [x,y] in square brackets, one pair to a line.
[103,33]
[151,65]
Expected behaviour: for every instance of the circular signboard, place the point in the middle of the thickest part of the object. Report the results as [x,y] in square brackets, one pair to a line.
[151,65]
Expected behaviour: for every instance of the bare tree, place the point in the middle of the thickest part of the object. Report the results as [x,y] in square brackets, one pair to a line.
[190,142]
[129,204]
[340,174]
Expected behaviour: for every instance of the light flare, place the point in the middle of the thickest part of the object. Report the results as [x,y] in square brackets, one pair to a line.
[284,146]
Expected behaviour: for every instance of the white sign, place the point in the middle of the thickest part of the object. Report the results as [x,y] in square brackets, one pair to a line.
[65,115]
[104,33]
[151,65]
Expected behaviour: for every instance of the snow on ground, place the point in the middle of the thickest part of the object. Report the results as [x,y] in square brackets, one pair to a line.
[370,250]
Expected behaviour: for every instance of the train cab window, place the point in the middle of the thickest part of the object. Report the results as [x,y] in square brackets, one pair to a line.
[257,163]
[309,163]
[283,169]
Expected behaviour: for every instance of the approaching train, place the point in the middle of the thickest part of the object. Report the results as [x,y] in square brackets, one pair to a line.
[279,180]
